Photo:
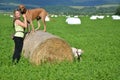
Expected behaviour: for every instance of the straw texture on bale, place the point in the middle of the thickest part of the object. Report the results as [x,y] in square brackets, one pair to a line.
[44,47]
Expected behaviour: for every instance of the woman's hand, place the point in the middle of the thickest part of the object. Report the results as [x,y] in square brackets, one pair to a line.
[25,20]
[24,15]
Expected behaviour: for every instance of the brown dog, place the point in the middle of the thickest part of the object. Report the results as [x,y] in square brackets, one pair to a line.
[32,14]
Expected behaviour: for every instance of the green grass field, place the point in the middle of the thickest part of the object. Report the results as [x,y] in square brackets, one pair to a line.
[100,40]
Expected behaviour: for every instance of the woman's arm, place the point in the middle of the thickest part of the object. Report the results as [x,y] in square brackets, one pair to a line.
[20,23]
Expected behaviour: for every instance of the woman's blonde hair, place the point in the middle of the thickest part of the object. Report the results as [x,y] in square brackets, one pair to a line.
[14,18]
[14,13]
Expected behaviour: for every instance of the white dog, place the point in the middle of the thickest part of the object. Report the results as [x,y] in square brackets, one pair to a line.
[77,53]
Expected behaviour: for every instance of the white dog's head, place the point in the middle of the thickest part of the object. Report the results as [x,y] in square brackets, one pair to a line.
[76,52]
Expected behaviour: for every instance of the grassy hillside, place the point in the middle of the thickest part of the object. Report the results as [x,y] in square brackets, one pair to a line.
[63,9]
[99,39]
[63,2]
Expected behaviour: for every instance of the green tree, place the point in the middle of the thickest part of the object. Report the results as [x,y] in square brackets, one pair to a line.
[118,11]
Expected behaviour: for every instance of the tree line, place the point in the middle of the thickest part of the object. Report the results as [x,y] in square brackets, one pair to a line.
[66,10]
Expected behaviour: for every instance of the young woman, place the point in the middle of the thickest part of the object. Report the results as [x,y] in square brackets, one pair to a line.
[19,35]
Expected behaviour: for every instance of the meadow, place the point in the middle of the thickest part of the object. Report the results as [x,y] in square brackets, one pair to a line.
[100,40]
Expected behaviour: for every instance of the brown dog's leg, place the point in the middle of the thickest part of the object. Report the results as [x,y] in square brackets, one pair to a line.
[33,30]
[38,25]
[43,20]
[28,27]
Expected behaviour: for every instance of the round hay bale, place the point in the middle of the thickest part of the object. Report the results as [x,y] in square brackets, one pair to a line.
[44,47]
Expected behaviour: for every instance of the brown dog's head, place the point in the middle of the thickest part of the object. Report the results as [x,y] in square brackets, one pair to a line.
[22,9]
